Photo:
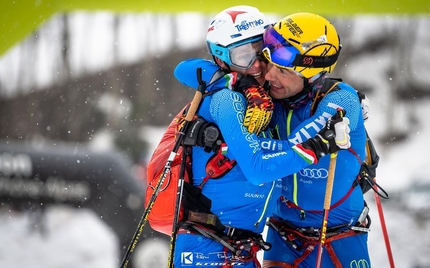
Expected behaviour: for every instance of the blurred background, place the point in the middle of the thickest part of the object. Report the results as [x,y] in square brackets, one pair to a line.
[87,89]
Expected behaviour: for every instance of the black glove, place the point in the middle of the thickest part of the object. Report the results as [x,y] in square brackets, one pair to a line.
[332,138]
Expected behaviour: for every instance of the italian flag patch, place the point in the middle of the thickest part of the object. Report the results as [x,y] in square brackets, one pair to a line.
[307,154]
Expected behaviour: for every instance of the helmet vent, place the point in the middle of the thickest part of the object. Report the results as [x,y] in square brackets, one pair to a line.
[293,40]
[233,36]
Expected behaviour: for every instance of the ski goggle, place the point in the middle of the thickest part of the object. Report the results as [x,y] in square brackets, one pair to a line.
[282,54]
[277,50]
[241,55]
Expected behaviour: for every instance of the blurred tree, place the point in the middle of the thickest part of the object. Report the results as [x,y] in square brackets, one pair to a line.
[120,100]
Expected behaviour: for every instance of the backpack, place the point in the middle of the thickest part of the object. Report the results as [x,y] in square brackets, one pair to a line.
[193,204]
[162,213]
[367,175]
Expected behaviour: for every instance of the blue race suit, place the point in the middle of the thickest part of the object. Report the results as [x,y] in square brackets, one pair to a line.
[303,193]
[247,194]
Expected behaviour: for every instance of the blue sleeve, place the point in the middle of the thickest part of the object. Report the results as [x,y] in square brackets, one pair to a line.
[227,109]
[212,74]
[308,126]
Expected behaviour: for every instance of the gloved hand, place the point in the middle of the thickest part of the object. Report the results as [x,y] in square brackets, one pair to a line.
[365,105]
[260,106]
[259,110]
[332,138]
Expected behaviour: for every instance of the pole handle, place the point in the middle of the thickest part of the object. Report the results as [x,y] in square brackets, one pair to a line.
[195,103]
[330,181]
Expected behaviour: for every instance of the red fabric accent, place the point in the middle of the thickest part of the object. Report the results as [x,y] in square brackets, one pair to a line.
[276,264]
[290,204]
[226,250]
[333,256]
[356,155]
[205,179]
[343,198]
[218,165]
[312,242]
[308,251]
[309,152]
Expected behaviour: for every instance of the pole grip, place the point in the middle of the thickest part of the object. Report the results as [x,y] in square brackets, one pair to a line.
[194,106]
[195,103]
[330,181]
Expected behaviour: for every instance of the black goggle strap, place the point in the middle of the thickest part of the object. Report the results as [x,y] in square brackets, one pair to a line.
[315,61]
[262,58]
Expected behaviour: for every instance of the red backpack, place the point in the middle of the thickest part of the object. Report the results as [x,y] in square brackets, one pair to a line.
[193,203]
[162,213]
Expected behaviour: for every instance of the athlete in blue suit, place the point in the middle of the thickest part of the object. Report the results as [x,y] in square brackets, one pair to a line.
[243,198]
[298,59]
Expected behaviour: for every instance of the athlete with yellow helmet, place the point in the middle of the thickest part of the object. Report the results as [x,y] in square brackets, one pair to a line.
[300,50]
[303,42]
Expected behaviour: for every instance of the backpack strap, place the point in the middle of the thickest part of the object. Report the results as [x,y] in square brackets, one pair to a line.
[306,239]
[330,84]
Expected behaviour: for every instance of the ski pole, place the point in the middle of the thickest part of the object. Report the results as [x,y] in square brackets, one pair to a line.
[380,211]
[201,89]
[188,118]
[327,201]
[384,228]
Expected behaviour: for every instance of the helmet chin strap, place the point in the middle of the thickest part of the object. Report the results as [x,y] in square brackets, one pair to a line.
[225,63]
[317,81]
[228,67]
[307,93]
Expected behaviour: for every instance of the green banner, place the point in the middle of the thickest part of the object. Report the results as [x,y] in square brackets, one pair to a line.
[21,17]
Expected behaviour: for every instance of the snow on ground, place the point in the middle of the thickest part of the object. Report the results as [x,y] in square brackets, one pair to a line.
[62,237]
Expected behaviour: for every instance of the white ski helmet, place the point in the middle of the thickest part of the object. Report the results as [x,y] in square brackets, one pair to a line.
[235,35]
